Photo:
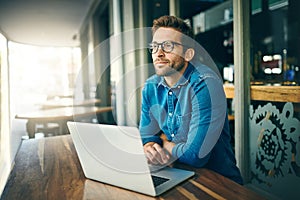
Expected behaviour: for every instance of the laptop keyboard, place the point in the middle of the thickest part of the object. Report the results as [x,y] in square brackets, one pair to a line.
[158,180]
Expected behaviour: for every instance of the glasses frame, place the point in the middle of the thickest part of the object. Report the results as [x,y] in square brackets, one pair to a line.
[162,46]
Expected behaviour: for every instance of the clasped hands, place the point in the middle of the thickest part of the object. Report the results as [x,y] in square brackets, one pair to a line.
[158,155]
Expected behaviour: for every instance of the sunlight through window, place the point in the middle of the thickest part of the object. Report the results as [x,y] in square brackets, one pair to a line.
[38,73]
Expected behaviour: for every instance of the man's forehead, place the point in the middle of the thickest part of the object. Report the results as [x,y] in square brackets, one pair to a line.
[164,33]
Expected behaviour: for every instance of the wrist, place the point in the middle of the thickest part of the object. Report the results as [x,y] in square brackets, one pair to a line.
[168,146]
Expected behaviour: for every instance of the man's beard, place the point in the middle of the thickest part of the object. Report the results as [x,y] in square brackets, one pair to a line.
[175,67]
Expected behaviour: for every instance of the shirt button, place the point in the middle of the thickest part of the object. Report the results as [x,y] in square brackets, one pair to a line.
[172,135]
[178,86]
[170,114]
[170,93]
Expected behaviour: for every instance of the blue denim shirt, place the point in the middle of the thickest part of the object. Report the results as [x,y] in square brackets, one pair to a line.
[192,114]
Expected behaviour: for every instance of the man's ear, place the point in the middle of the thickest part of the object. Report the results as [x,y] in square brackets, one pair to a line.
[189,54]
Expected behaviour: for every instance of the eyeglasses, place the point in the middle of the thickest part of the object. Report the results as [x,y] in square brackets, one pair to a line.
[166,46]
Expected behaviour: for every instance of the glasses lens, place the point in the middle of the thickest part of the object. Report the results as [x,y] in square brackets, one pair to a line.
[167,46]
[153,47]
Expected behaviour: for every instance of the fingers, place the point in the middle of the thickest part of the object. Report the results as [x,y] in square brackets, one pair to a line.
[160,154]
[156,155]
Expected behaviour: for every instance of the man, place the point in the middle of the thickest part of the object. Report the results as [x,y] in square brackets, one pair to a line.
[183,114]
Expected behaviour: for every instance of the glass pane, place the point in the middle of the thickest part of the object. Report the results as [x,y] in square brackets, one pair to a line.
[275,97]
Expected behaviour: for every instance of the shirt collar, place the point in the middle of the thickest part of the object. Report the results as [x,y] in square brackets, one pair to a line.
[183,79]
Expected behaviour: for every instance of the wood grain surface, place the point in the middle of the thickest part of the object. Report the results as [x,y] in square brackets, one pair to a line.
[49,168]
[269,93]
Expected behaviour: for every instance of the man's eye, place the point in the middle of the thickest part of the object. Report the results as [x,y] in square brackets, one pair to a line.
[168,45]
[152,46]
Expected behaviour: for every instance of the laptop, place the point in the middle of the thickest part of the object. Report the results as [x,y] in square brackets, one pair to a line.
[114,155]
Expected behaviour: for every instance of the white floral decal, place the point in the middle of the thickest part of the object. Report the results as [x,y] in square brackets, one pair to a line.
[274,143]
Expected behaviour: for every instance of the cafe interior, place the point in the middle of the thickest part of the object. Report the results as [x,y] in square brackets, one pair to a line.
[87,60]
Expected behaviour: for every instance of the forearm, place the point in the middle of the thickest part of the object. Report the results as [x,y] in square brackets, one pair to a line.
[188,155]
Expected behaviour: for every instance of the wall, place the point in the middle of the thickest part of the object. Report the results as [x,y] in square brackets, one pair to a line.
[7,150]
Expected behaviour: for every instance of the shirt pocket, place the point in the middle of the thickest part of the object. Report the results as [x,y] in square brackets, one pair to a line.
[183,125]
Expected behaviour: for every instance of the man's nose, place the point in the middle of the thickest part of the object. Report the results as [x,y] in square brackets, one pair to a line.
[160,52]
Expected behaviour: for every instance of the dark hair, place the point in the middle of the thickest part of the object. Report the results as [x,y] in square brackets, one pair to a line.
[173,22]
[177,24]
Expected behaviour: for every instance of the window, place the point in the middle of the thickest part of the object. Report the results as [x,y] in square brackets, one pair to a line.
[38,73]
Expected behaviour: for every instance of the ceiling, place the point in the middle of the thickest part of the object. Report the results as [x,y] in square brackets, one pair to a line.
[57,22]
[43,22]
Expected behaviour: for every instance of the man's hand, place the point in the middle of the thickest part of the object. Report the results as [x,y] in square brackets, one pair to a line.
[156,154]
[167,144]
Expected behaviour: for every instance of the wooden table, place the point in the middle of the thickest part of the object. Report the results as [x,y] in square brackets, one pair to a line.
[59,116]
[68,102]
[268,93]
[49,168]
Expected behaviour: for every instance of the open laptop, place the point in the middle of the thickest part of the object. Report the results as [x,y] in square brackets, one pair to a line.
[114,155]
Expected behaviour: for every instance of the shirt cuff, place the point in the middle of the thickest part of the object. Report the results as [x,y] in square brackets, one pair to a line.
[155,139]
[176,152]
